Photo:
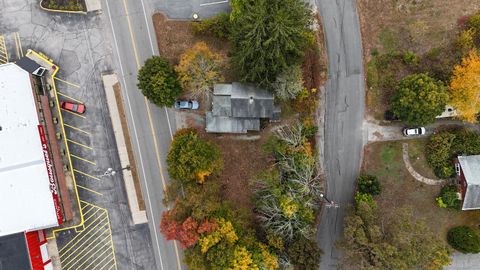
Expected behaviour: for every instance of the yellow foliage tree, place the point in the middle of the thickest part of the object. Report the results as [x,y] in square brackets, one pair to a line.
[224,230]
[465,87]
[242,260]
[199,69]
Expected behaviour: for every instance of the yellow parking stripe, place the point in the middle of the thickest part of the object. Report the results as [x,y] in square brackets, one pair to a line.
[77,129]
[76,114]
[17,36]
[69,83]
[82,159]
[107,263]
[3,49]
[63,251]
[108,249]
[91,190]
[69,97]
[86,174]
[66,262]
[80,144]
[16,45]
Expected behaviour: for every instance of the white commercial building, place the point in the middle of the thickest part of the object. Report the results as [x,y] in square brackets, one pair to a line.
[28,194]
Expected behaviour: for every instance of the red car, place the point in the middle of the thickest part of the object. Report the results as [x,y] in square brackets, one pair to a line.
[73,107]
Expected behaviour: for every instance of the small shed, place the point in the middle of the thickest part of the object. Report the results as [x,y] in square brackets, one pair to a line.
[468,173]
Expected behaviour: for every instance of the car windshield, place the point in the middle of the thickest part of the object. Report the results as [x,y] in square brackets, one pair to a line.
[74,107]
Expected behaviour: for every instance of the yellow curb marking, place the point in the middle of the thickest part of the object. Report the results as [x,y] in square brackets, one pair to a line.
[77,129]
[83,159]
[91,190]
[67,82]
[55,67]
[80,144]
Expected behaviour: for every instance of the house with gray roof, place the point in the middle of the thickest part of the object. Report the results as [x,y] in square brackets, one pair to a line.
[468,174]
[238,108]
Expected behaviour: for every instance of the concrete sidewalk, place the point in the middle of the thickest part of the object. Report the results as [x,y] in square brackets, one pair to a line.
[138,216]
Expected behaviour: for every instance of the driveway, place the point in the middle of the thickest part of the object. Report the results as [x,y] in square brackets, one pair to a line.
[344,136]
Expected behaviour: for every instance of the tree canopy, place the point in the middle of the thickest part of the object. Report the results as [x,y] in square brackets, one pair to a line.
[199,69]
[191,158]
[268,37]
[419,99]
[465,87]
[372,241]
[158,82]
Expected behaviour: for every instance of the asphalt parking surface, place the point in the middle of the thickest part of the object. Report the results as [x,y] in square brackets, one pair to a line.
[108,239]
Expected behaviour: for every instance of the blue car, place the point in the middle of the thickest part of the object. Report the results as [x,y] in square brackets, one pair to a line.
[186,104]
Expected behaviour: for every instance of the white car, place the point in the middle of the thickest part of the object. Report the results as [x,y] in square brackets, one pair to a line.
[413,131]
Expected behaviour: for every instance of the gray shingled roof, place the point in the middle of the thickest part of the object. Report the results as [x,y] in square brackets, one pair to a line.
[238,107]
[223,124]
[28,64]
[471,170]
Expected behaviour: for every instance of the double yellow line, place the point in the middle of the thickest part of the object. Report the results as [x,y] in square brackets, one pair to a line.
[149,114]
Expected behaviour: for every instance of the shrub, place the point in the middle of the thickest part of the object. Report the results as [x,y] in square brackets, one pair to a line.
[464,239]
[305,254]
[439,153]
[159,82]
[218,26]
[289,84]
[369,184]
[363,197]
[410,58]
[449,198]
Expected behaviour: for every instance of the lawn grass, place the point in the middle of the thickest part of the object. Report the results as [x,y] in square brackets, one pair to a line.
[400,189]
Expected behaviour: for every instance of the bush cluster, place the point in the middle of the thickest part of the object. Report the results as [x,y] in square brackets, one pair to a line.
[444,146]
[464,239]
[449,198]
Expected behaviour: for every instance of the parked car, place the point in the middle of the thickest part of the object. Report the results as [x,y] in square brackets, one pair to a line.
[413,131]
[73,107]
[186,104]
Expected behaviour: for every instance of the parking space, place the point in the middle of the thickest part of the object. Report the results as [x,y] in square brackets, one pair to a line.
[3,51]
[90,247]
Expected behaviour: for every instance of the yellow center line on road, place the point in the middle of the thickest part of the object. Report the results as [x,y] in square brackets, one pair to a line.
[69,97]
[77,129]
[67,82]
[83,159]
[80,144]
[151,123]
[86,174]
[76,114]
[91,190]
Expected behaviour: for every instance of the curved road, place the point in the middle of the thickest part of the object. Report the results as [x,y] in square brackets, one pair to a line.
[344,136]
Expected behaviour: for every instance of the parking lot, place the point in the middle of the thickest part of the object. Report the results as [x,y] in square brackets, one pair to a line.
[107,239]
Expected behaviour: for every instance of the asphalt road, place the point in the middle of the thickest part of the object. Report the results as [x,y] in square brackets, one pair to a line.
[133,40]
[344,136]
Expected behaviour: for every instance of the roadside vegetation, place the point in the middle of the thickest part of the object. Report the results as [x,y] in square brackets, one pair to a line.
[237,203]
[67,5]
[403,40]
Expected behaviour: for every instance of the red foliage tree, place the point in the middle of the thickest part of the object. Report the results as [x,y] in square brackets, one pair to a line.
[207,226]
[185,232]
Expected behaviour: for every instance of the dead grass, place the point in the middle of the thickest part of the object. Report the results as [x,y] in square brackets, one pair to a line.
[128,142]
[399,189]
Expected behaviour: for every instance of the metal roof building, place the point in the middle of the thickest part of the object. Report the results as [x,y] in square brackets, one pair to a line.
[27,198]
[238,108]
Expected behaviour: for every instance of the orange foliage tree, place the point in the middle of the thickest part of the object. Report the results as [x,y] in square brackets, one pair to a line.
[199,69]
[465,87]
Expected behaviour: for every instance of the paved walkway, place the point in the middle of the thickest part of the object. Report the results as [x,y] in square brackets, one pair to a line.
[414,173]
